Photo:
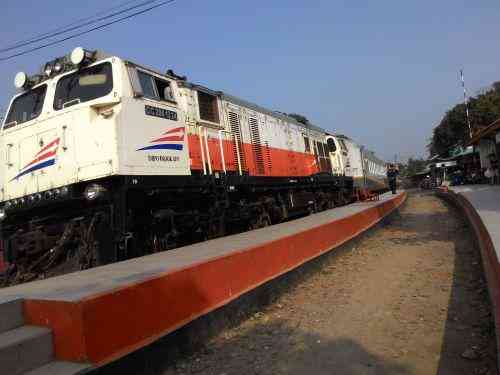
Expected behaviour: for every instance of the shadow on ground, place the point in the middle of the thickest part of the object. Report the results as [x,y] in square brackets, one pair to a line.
[469,335]
[305,354]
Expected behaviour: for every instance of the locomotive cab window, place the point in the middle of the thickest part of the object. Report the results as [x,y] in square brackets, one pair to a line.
[155,88]
[26,107]
[84,85]
[209,109]
[332,147]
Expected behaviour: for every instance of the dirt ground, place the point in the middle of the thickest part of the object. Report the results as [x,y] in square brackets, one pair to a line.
[410,298]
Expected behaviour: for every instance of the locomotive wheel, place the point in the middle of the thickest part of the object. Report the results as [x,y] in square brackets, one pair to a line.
[260,221]
[216,226]
[97,245]
[330,203]
[313,208]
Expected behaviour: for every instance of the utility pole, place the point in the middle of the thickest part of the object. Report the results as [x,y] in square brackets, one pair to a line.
[466,101]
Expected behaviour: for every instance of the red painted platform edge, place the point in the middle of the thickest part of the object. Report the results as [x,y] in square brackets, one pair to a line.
[110,325]
[489,258]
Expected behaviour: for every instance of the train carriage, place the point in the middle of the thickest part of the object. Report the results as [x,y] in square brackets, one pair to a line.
[353,160]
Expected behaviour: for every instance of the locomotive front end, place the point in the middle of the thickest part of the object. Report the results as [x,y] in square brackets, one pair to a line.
[59,151]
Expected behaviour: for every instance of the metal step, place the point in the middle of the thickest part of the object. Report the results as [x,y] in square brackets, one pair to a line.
[61,368]
[25,348]
[11,315]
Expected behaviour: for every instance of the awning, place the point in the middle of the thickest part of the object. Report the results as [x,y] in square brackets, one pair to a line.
[485,132]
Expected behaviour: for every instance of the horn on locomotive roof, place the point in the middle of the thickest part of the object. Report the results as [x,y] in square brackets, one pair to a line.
[171,73]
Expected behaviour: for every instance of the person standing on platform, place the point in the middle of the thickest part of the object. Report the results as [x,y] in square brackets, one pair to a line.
[392,174]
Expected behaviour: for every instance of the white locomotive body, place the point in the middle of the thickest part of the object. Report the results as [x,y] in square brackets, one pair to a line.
[104,159]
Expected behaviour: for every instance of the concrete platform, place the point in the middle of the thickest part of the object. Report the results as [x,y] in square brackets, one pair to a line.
[102,314]
[486,201]
[481,206]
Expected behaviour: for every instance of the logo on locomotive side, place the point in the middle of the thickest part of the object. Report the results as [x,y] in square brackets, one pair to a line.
[170,140]
[46,157]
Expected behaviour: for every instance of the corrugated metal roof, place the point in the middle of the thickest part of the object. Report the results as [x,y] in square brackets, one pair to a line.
[485,132]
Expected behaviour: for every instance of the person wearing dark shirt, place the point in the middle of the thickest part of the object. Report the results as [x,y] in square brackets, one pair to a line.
[392,174]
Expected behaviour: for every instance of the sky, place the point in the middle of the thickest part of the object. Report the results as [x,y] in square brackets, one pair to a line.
[382,72]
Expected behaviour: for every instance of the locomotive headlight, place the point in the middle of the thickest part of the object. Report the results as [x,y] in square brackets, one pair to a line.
[64,191]
[80,56]
[20,80]
[58,67]
[94,191]
[48,69]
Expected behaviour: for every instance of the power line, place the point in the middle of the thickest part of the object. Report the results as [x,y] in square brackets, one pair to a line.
[76,27]
[45,34]
[58,41]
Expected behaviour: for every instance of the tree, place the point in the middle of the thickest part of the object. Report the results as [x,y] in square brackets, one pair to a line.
[413,166]
[496,86]
[454,130]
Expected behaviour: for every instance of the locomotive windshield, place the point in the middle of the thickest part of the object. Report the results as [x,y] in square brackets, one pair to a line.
[25,107]
[84,85]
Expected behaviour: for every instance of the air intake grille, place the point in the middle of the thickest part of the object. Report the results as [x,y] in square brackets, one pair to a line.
[256,144]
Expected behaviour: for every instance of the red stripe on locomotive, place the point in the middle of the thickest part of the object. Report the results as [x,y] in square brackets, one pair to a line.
[273,162]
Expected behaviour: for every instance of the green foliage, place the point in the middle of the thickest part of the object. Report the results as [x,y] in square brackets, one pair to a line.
[412,166]
[453,128]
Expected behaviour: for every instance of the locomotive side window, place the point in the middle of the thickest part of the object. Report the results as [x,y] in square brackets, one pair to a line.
[209,110]
[83,85]
[26,107]
[332,147]
[307,144]
[148,88]
[155,88]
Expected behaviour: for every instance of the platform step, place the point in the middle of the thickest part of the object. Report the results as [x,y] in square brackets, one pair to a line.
[25,348]
[11,315]
[60,368]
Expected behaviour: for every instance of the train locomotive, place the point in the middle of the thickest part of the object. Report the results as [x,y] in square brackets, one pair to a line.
[105,160]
